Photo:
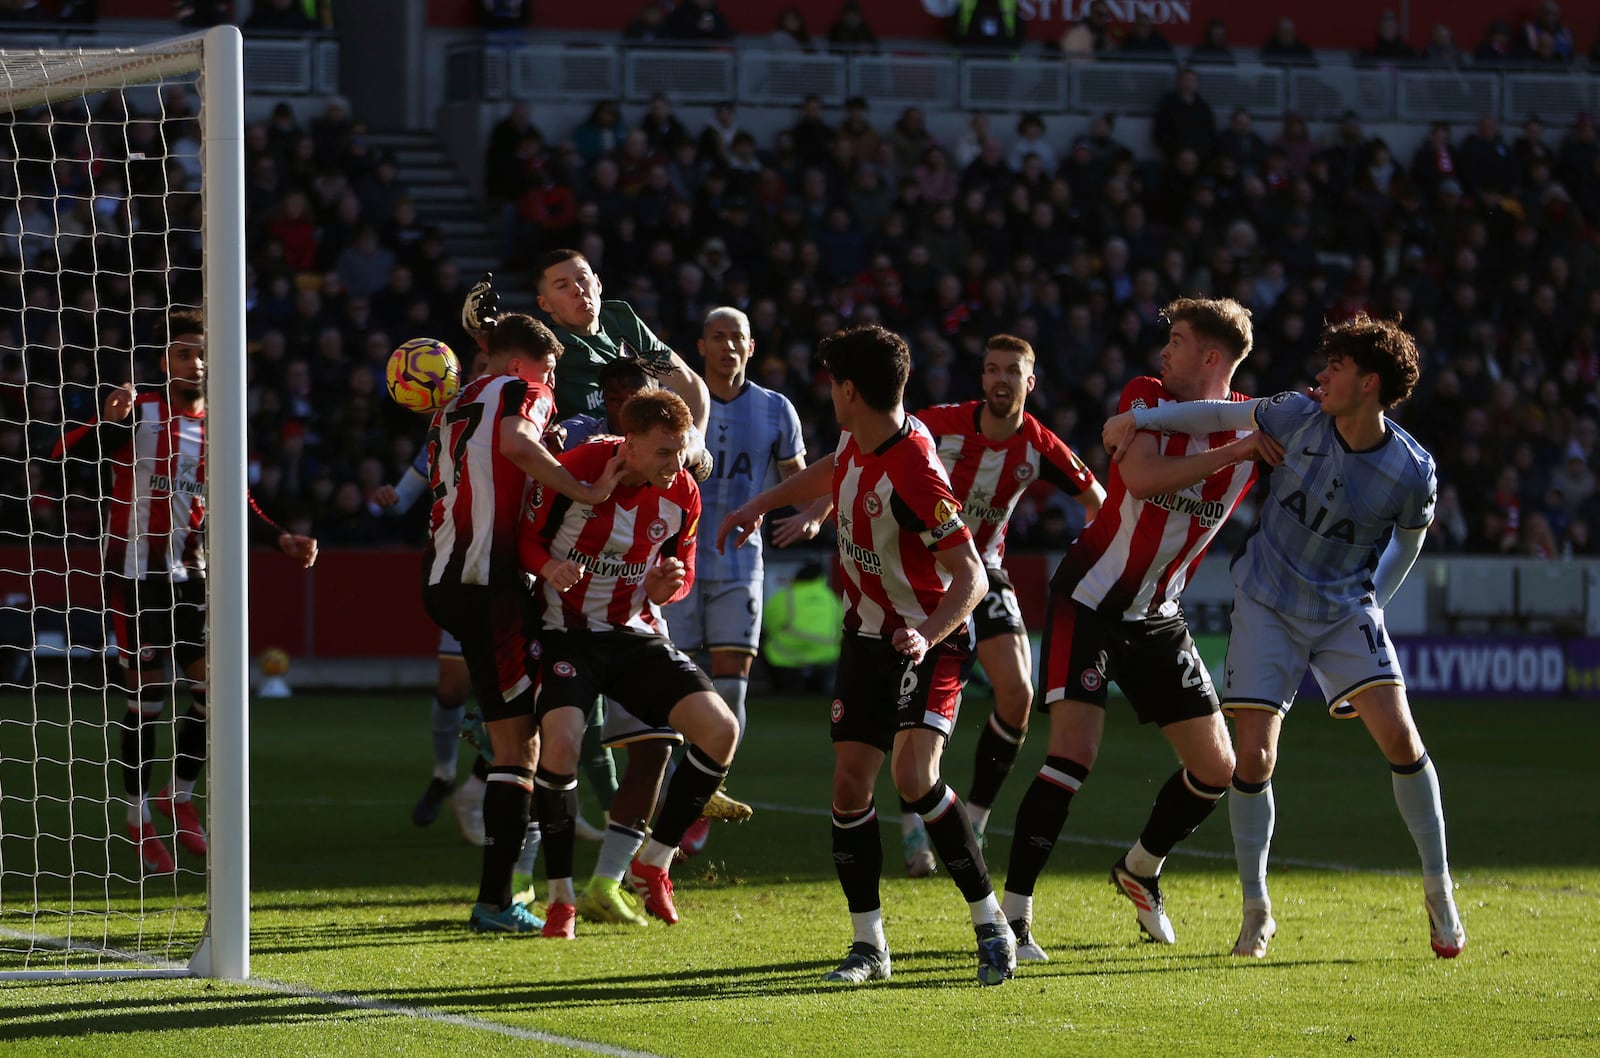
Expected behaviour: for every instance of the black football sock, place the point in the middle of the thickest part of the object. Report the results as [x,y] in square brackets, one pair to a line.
[998,746]
[696,779]
[557,799]
[950,832]
[858,857]
[1040,817]
[1182,804]
[505,825]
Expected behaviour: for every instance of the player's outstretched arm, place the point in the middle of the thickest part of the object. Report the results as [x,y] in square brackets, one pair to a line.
[814,482]
[522,446]
[1399,555]
[1092,499]
[1148,473]
[967,585]
[302,549]
[803,525]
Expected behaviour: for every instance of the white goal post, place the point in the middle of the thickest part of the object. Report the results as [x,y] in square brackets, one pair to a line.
[76,898]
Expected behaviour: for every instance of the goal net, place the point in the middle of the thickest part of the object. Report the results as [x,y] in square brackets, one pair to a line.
[121,204]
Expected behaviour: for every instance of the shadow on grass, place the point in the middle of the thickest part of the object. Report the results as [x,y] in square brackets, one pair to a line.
[41,1010]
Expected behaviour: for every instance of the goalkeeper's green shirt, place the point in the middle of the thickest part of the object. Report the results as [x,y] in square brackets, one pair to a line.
[578,372]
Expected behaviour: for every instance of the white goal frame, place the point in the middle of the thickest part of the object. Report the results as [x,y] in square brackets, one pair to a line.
[36,76]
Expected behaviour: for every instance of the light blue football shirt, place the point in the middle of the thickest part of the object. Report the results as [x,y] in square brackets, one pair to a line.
[1329,511]
[747,437]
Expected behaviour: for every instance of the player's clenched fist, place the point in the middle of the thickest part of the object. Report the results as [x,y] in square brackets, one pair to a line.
[119,402]
[662,581]
[562,575]
[912,643]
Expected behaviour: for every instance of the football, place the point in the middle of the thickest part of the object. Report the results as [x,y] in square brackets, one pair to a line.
[423,375]
[274,661]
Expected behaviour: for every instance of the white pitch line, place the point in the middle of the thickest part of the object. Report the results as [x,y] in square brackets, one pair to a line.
[154,967]
[1112,843]
[459,1020]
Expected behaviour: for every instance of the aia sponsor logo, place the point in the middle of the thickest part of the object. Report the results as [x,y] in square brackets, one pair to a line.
[657,530]
[1092,680]
[565,670]
[872,505]
[838,710]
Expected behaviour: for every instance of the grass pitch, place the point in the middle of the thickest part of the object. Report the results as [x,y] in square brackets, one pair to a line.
[360,947]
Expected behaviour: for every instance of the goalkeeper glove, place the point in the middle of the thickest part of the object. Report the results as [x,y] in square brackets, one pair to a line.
[481,309]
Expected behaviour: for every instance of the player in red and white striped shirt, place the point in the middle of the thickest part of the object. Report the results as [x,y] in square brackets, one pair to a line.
[154,574]
[605,570]
[482,448]
[1114,614]
[154,577]
[911,576]
[994,450]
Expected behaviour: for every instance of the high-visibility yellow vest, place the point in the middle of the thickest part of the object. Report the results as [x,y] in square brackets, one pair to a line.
[803,624]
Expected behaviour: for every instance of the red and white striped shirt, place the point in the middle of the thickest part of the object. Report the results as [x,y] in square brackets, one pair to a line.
[158,481]
[990,476]
[1137,556]
[617,541]
[477,490]
[895,510]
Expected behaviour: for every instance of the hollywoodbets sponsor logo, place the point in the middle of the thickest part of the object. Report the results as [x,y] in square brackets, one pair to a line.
[609,566]
[1209,513]
[868,561]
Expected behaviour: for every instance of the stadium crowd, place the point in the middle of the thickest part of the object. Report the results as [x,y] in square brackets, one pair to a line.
[1485,241]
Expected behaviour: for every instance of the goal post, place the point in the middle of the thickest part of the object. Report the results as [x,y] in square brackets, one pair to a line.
[92,258]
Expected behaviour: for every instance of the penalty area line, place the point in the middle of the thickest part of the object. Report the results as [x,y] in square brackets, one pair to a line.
[406,1010]
[1112,843]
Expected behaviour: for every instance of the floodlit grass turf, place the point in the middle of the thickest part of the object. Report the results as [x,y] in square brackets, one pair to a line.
[358,914]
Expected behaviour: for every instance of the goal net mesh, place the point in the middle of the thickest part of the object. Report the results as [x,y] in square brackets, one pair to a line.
[100,239]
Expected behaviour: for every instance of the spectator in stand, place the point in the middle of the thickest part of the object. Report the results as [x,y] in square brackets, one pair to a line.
[662,130]
[280,16]
[715,146]
[1389,46]
[911,139]
[986,25]
[1435,160]
[789,32]
[1094,34]
[1442,50]
[1239,142]
[600,133]
[1497,47]
[1184,120]
[503,173]
[850,31]
[697,20]
[364,268]
[1213,47]
[1144,41]
[812,136]
[1548,23]
[1575,163]
[1284,46]
[1031,141]
[648,25]
[857,129]
[1486,162]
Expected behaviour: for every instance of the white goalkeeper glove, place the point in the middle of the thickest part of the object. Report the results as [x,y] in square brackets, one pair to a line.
[481,309]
